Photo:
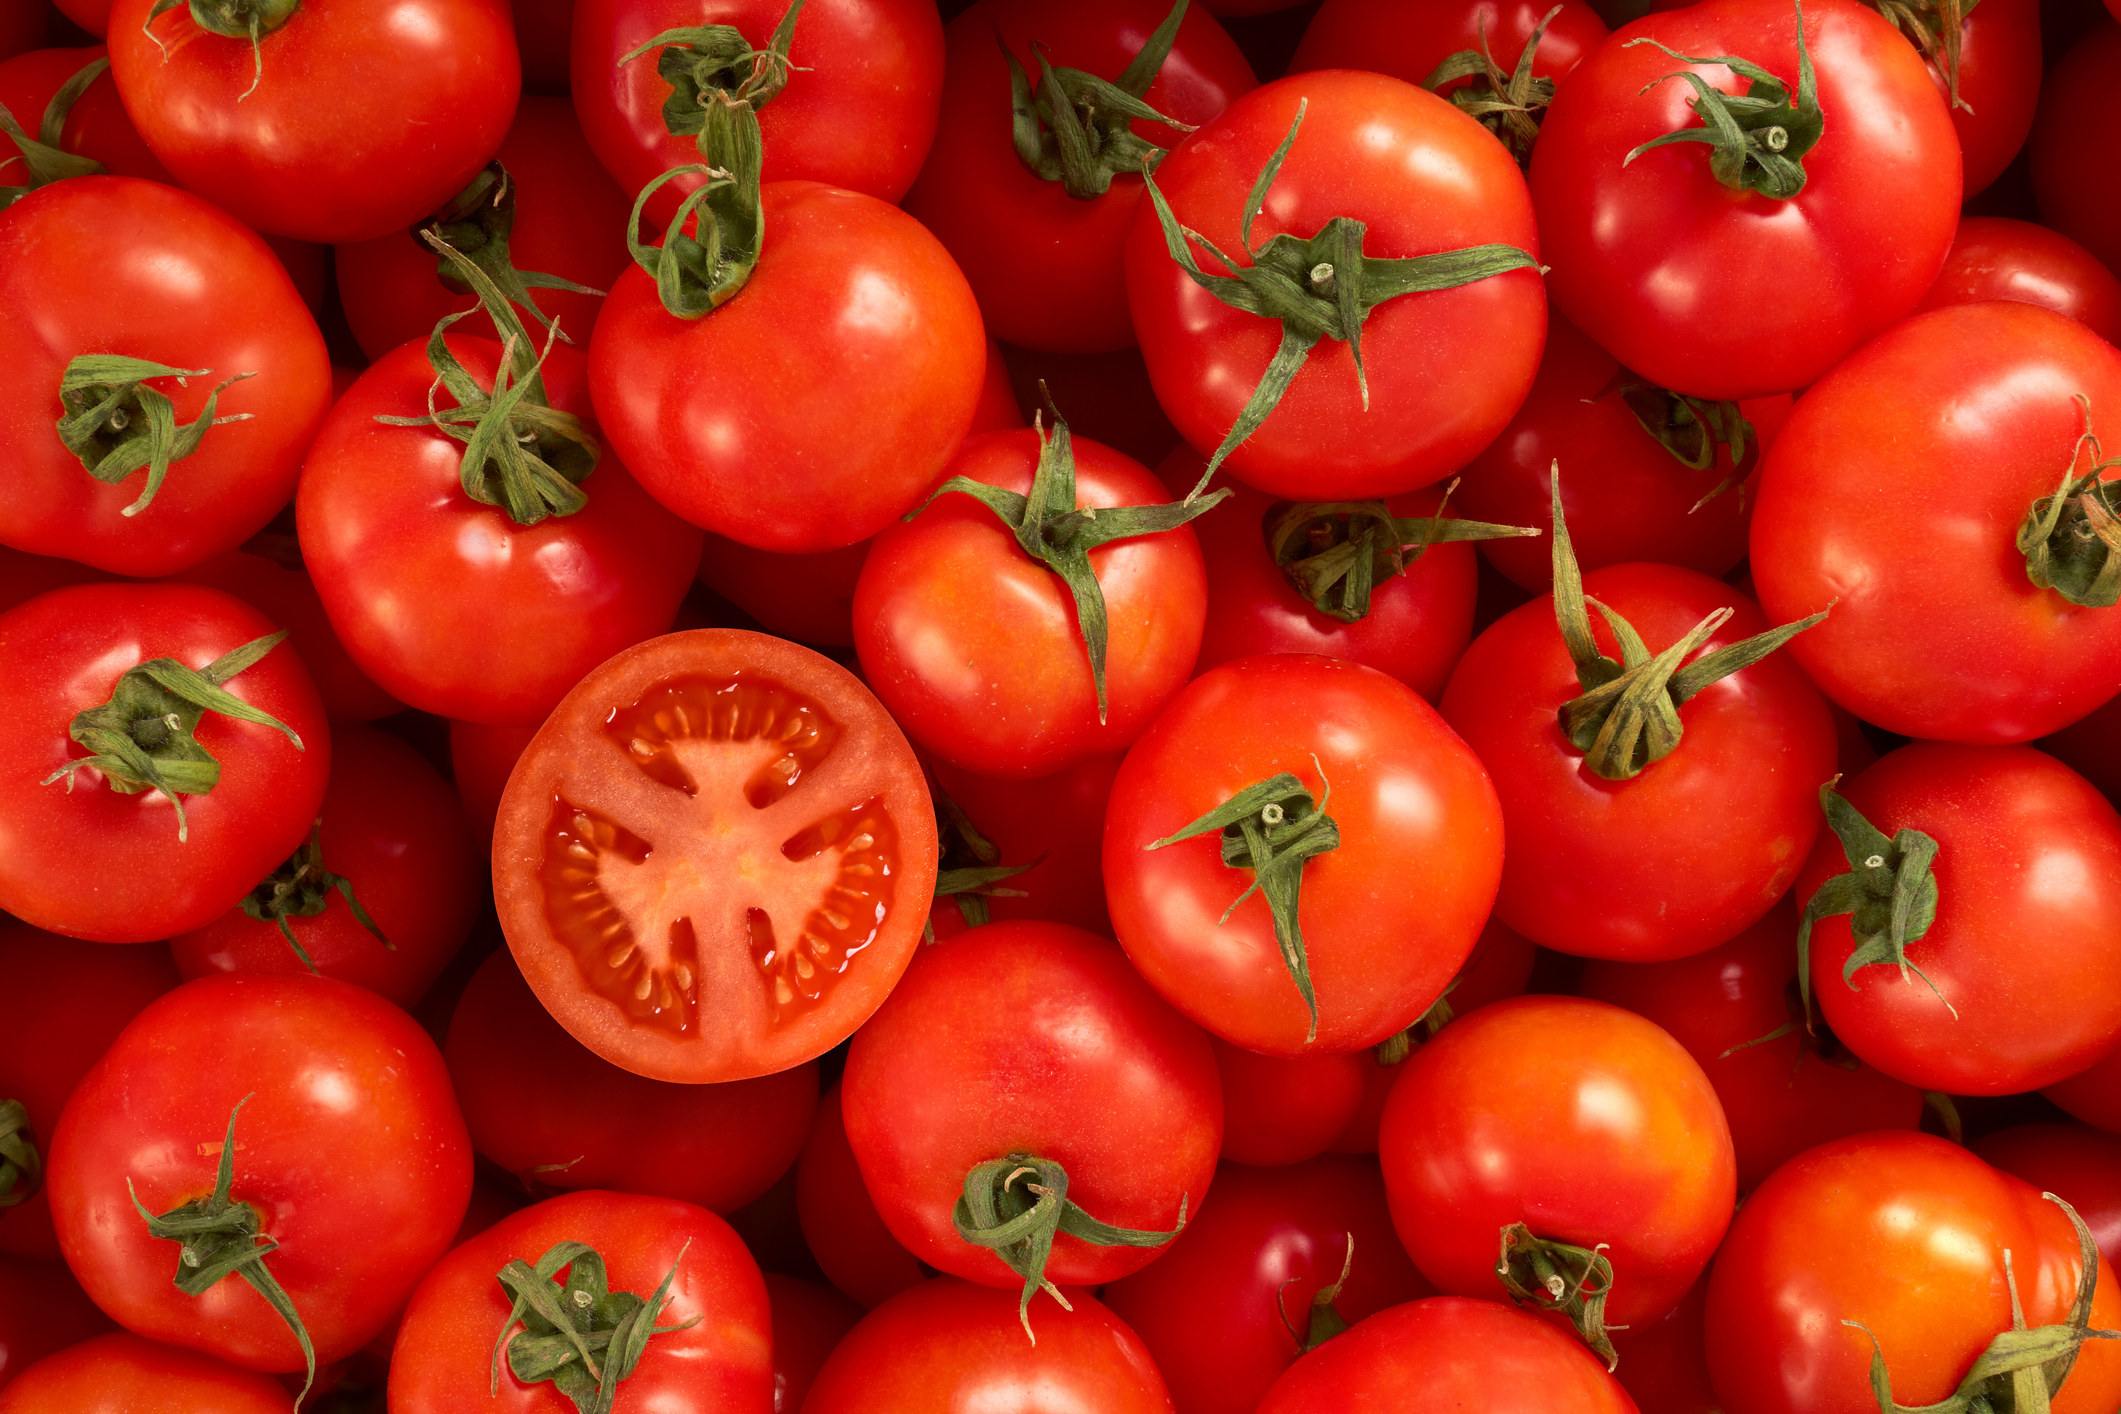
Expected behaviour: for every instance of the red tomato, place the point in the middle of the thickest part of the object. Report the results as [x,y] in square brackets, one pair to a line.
[951,1345]
[1409,41]
[858,111]
[1689,282]
[117,266]
[347,122]
[1445,369]
[392,828]
[1999,86]
[1996,258]
[328,1077]
[22,25]
[449,603]
[2072,146]
[1386,917]
[570,221]
[809,598]
[1285,1109]
[1937,631]
[123,1374]
[1697,846]
[24,577]
[1905,1234]
[267,574]
[1218,1309]
[1625,495]
[480,757]
[1781,1096]
[2025,848]
[816,405]
[809,1319]
[1472,1126]
[840,1225]
[1057,821]
[2083,747]
[42,1309]
[96,125]
[645,903]
[718,1358]
[596,1126]
[1108,397]
[976,648]
[1031,1039]
[1046,264]
[1664,1366]
[76,998]
[75,853]
[2082,1166]
[1448,1353]
[2093,1095]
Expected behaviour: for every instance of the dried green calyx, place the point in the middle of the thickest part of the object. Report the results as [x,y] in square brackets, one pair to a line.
[302,888]
[1506,104]
[117,425]
[233,19]
[1077,129]
[21,1165]
[1323,287]
[1272,829]
[972,871]
[577,1334]
[1335,553]
[477,223]
[1323,1321]
[142,738]
[2071,540]
[1938,29]
[1889,894]
[1016,1205]
[1759,138]
[708,64]
[1541,1274]
[1690,429]
[43,159]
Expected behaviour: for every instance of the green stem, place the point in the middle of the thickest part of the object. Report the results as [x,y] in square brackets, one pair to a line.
[2071,540]
[1506,104]
[1545,1275]
[577,1334]
[1335,553]
[1758,139]
[117,425]
[44,157]
[232,19]
[302,888]
[1889,894]
[477,224]
[1077,129]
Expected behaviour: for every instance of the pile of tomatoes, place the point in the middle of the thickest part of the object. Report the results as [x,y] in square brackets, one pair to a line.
[727,706]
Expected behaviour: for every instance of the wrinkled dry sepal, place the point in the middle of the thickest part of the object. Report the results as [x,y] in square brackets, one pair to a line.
[1758,139]
[1541,1274]
[21,1164]
[1076,128]
[578,1335]
[1889,894]
[2072,540]
[478,224]
[116,424]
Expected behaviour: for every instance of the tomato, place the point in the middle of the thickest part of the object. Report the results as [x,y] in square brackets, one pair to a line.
[2024,848]
[1446,1352]
[123,1374]
[346,123]
[1999,86]
[1285,1109]
[320,1077]
[391,827]
[1937,629]
[75,848]
[977,648]
[77,997]
[809,598]
[863,81]
[450,604]
[1032,1044]
[1444,369]
[1700,843]
[595,1126]
[1629,493]
[267,574]
[42,1309]
[1409,41]
[840,1225]
[480,758]
[667,963]
[809,1319]
[22,26]
[2079,1164]
[1056,825]
[1108,397]
[1687,281]
[2072,145]
[1664,1366]
[96,125]
[712,1350]
[570,221]
[1218,1310]
[1903,1233]
[815,406]
[2092,1094]
[952,1345]
[117,266]
[1045,261]
[1996,258]
[1781,1095]
[24,577]
[2082,746]
[1385,917]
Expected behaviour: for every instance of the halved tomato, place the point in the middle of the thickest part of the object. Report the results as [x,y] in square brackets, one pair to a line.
[714,859]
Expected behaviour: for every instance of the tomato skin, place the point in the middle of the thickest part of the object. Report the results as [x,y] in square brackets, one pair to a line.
[2026,848]
[1057,820]
[1995,258]
[428,88]
[2072,145]
[1780,1096]
[596,1126]
[480,758]
[42,1310]
[1031,1038]
[1451,1353]
[449,604]
[78,997]
[948,1344]
[1409,41]
[1211,1309]
[337,1076]
[123,1374]
[1697,846]
[2092,1095]
[1664,1366]
[809,1319]
[570,221]
[1999,80]
[70,860]
[721,1365]
[976,648]
[1936,631]
[1687,282]
[1903,1232]
[285,594]
[2079,1164]
[809,598]
[858,111]
[1470,1128]
[1048,267]
[118,265]
[840,1225]
[1285,1109]
[1446,369]
[1388,917]
[816,405]
[393,827]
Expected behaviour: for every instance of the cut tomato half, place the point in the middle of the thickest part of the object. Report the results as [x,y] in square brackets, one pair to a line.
[714,859]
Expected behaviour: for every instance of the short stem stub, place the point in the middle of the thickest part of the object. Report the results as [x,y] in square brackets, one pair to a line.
[1758,139]
[21,1165]
[1545,1275]
[1077,129]
[577,1334]
[1506,104]
[1889,894]
[117,425]
[1335,553]
[2071,540]
[302,888]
